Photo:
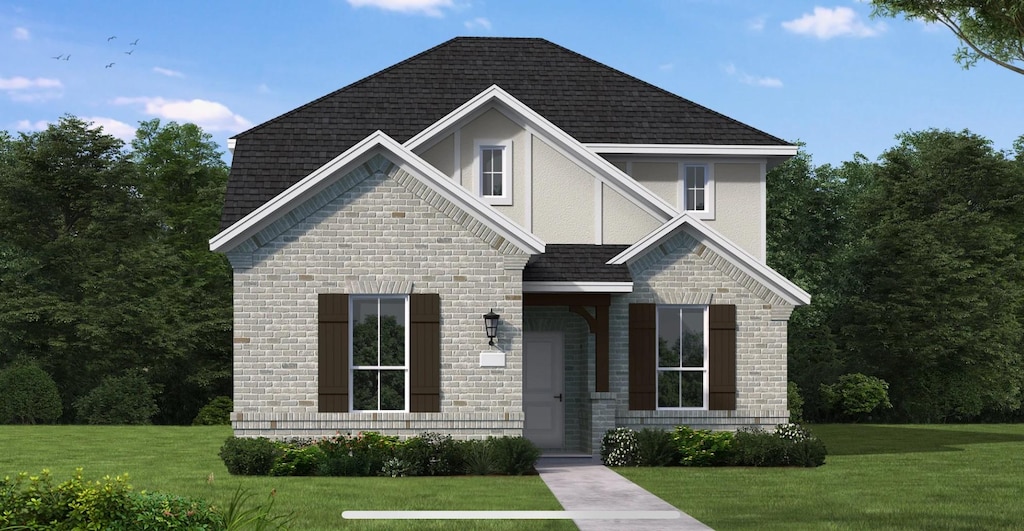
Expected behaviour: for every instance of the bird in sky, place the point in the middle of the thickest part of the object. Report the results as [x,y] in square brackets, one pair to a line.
[67,57]
[112,37]
[133,43]
[109,65]
[129,52]
[59,57]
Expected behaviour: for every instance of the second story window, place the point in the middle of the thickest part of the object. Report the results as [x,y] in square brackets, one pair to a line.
[492,170]
[695,188]
[494,167]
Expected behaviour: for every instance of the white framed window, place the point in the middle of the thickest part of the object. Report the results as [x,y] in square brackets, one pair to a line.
[379,347]
[494,171]
[697,188]
[682,381]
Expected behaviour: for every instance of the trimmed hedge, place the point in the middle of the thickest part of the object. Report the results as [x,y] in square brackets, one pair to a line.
[373,454]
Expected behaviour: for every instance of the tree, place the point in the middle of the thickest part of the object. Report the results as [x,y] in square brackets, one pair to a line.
[936,306]
[125,399]
[988,29]
[807,236]
[182,180]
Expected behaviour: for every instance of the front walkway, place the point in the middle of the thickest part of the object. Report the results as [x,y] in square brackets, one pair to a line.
[586,485]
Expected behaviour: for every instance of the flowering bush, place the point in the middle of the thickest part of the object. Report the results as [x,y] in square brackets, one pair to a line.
[792,432]
[787,445]
[619,447]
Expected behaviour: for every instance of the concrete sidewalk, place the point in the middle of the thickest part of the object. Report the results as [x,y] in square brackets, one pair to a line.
[582,484]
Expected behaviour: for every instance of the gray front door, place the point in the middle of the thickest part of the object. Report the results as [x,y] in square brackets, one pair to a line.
[543,389]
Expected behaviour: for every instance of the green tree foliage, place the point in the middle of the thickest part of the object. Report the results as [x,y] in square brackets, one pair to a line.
[126,399]
[28,395]
[856,396]
[104,265]
[987,29]
[936,305]
[807,235]
[182,179]
[378,342]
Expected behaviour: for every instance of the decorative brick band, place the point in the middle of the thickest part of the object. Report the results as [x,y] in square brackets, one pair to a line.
[459,425]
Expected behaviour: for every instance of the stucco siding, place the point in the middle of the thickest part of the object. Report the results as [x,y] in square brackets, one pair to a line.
[623,221]
[739,209]
[385,234]
[563,197]
[490,126]
[662,178]
[442,156]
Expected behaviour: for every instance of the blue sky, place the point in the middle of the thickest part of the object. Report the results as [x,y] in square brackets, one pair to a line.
[824,73]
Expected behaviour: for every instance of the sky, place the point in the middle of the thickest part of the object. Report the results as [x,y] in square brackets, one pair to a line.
[822,73]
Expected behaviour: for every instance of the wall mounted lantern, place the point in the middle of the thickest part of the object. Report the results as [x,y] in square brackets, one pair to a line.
[491,324]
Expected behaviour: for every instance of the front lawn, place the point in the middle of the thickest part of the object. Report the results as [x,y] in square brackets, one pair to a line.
[183,460]
[875,477]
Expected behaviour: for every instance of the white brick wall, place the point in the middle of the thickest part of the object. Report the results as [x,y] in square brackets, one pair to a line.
[381,231]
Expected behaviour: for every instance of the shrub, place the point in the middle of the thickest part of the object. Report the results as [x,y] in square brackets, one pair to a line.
[479,457]
[702,447]
[619,447]
[29,395]
[127,399]
[216,413]
[249,457]
[655,448]
[856,395]
[788,445]
[432,454]
[396,468]
[38,503]
[514,456]
[297,459]
[795,402]
[362,455]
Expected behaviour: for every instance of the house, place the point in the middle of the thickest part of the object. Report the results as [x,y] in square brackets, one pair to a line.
[616,229]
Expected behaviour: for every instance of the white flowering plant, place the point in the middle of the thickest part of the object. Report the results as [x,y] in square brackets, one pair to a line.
[619,447]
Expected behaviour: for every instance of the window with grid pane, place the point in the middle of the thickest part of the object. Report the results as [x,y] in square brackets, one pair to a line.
[380,361]
[492,171]
[696,187]
[682,357]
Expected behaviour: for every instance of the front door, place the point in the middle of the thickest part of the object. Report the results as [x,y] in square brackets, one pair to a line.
[543,391]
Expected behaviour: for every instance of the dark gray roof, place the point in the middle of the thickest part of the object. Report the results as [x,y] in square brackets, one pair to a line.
[576,262]
[591,101]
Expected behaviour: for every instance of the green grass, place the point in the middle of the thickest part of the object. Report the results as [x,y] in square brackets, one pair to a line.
[875,477]
[181,460]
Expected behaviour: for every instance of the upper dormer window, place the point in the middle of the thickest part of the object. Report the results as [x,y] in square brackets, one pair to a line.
[494,167]
[695,188]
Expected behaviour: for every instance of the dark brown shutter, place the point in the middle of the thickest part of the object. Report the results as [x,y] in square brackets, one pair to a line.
[722,362]
[643,354]
[425,353]
[332,352]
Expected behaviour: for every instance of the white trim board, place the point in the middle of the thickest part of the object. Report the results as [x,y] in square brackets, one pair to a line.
[377,143]
[550,286]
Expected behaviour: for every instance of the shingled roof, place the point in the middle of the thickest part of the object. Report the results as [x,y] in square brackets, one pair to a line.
[576,263]
[588,100]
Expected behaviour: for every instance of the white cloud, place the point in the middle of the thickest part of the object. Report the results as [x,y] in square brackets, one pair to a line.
[23,83]
[209,115]
[748,79]
[27,126]
[756,24]
[263,88]
[425,7]
[167,72]
[478,23]
[23,89]
[113,127]
[826,23]
[21,34]
[666,67]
